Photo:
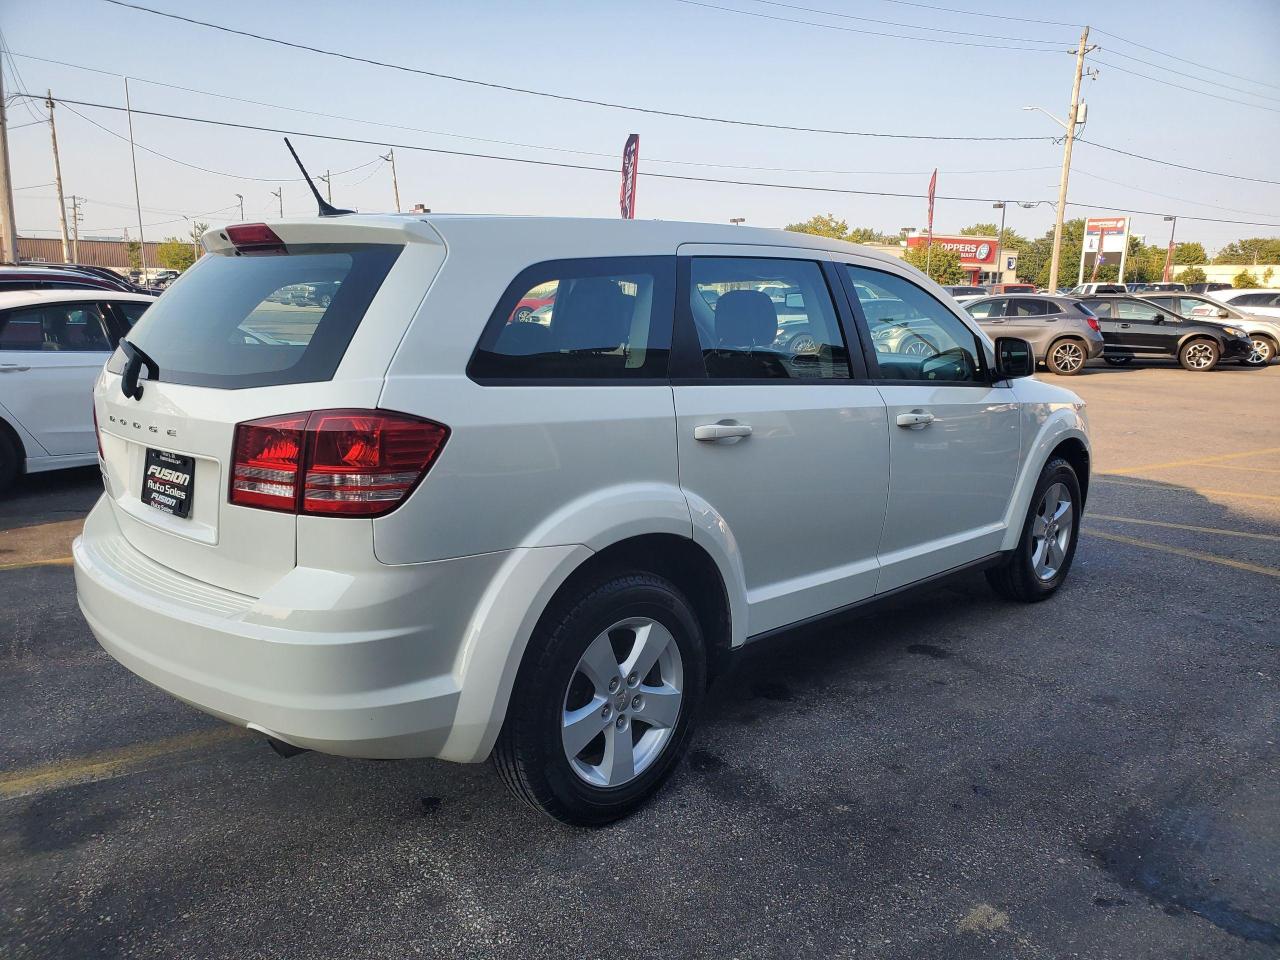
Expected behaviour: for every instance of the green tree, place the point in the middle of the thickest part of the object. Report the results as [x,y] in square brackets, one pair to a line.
[1192,275]
[175,254]
[943,265]
[1252,250]
[1034,258]
[1012,239]
[868,235]
[1189,253]
[1244,280]
[133,249]
[823,226]
[1267,274]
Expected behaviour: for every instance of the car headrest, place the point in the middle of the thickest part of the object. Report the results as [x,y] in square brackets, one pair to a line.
[745,319]
[592,316]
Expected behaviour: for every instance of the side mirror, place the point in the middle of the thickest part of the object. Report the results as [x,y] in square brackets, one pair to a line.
[1158,318]
[1224,313]
[1014,358]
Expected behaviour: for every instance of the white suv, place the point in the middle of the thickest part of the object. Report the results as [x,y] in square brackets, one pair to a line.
[408,523]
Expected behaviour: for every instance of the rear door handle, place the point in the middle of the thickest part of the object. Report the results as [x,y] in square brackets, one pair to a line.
[915,420]
[723,430]
[1124,326]
[12,368]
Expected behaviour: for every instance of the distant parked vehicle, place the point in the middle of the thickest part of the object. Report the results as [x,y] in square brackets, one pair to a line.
[1063,331]
[528,305]
[53,344]
[1207,287]
[1137,287]
[1264,332]
[1094,289]
[1135,328]
[962,291]
[998,288]
[14,279]
[1263,302]
[116,280]
[1165,287]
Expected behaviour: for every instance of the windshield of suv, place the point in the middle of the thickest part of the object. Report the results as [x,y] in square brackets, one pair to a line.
[254,321]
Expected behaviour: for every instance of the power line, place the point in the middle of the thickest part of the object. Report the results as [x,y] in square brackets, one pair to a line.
[1179,86]
[896,23]
[653,111]
[517,143]
[1155,193]
[1189,76]
[989,16]
[873,33]
[1194,63]
[611,170]
[29,123]
[1180,166]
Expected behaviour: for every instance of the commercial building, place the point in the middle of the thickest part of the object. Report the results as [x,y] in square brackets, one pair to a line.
[93,253]
[977,256]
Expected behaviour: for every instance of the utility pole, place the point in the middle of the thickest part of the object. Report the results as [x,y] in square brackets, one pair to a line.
[1000,242]
[76,216]
[279,195]
[137,196]
[8,226]
[395,186]
[57,180]
[240,198]
[1068,143]
[1168,257]
[328,187]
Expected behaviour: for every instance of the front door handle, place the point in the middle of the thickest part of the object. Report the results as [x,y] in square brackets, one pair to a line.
[1124,326]
[12,368]
[723,430]
[915,420]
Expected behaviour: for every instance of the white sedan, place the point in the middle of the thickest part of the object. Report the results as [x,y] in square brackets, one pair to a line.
[53,344]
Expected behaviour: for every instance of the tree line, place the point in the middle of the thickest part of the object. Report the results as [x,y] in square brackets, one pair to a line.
[1144,262]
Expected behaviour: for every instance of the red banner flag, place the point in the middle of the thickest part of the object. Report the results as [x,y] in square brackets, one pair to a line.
[933,186]
[630,164]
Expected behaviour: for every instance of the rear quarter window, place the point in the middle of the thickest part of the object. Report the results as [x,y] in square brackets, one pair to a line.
[255,321]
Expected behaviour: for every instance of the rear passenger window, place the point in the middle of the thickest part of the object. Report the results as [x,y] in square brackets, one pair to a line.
[1027,308]
[70,327]
[596,319]
[765,319]
[915,336]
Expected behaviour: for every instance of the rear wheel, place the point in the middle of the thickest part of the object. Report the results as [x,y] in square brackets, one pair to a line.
[1040,562]
[605,700]
[1118,361]
[8,461]
[1199,355]
[1066,357]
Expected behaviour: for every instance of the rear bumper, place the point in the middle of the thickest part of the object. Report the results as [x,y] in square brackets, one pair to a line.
[359,663]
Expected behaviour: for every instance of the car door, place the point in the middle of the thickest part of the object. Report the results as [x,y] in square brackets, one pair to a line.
[782,440]
[954,434]
[1148,328]
[49,357]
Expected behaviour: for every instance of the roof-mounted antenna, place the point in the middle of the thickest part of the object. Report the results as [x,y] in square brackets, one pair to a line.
[326,209]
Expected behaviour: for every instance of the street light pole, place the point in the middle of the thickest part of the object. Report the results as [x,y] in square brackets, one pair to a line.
[1000,242]
[737,221]
[240,198]
[279,195]
[57,181]
[1168,257]
[395,184]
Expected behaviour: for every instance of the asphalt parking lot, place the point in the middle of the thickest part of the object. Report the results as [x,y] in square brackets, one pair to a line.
[952,776]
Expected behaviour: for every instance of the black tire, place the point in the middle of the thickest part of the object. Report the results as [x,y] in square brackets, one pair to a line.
[523,314]
[1264,348]
[1067,357]
[1199,355]
[1118,361]
[529,754]
[1016,578]
[8,460]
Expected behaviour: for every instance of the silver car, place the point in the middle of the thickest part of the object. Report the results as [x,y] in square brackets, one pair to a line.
[1063,331]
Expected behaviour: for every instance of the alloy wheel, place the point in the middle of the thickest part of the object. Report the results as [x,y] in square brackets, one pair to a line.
[1068,357]
[622,702]
[918,347]
[1261,354]
[1200,356]
[1051,531]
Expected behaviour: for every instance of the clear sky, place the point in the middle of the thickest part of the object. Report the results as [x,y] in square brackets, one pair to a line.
[668,54]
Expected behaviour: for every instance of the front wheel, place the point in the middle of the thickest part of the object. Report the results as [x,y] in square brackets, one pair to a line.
[1066,358]
[1198,355]
[1040,562]
[1264,351]
[605,700]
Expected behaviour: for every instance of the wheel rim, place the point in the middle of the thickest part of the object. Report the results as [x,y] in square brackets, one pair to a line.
[1200,355]
[523,313]
[1068,357]
[918,347]
[1261,352]
[1051,530]
[804,344]
[622,702]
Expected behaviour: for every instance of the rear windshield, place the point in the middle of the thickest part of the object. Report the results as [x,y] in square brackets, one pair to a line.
[258,321]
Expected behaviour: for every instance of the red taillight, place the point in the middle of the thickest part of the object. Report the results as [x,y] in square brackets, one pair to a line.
[351,463]
[1093,324]
[255,238]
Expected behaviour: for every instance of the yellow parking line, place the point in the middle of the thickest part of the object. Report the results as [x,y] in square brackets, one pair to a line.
[1196,460]
[55,562]
[110,763]
[1186,526]
[1189,554]
[1237,466]
[1172,488]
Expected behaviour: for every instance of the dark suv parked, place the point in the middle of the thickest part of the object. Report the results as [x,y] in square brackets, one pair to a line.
[1133,328]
